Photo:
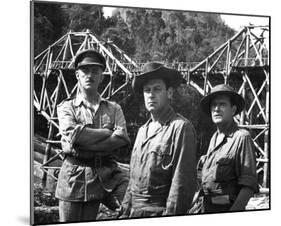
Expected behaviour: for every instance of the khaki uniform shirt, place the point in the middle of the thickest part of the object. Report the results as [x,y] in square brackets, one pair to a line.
[162,168]
[230,164]
[79,182]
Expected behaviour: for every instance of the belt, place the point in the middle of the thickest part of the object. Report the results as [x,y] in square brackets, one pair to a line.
[96,162]
[218,199]
[140,200]
[147,211]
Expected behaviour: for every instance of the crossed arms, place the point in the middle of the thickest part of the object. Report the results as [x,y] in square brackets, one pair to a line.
[86,138]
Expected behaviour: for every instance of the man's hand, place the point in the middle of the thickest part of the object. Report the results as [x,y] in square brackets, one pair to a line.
[109,126]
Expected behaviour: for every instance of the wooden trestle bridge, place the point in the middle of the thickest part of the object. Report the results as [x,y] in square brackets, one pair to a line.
[243,62]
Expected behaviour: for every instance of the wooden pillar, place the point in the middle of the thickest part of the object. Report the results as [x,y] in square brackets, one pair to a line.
[225,78]
[242,115]
[206,77]
[45,76]
[110,84]
[266,138]
[246,49]
[188,77]
[228,58]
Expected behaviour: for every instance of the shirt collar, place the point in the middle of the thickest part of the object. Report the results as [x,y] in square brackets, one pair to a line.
[231,129]
[166,116]
[79,100]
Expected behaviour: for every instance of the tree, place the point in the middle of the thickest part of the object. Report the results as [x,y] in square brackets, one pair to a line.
[49,22]
[81,17]
[119,33]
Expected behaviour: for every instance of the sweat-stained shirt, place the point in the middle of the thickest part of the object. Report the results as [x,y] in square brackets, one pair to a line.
[229,165]
[162,168]
[85,182]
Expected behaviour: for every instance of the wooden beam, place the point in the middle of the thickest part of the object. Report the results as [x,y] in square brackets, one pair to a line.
[121,87]
[198,88]
[70,44]
[105,50]
[238,50]
[266,138]
[228,57]
[105,89]
[260,133]
[255,95]
[257,126]
[64,83]
[259,148]
[61,50]
[219,57]
[254,101]
[35,69]
[125,55]
[54,44]
[51,131]
[218,50]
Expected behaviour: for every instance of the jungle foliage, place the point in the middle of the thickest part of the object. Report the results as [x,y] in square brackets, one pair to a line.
[144,34]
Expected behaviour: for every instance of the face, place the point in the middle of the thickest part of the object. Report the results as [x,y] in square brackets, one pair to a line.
[222,111]
[89,77]
[156,95]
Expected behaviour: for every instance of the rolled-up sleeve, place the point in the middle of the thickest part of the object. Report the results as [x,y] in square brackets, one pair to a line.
[69,128]
[246,165]
[120,129]
[183,183]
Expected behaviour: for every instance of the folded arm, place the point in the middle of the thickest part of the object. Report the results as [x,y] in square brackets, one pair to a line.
[89,136]
[117,138]
[86,138]
[109,144]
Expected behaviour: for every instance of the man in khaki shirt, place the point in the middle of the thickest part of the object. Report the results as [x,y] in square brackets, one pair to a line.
[162,168]
[229,168]
[91,129]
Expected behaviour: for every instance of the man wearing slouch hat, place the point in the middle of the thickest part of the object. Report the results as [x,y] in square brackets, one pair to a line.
[229,168]
[162,167]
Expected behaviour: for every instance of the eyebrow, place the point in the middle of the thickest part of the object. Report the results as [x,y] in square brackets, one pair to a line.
[88,67]
[152,86]
[218,102]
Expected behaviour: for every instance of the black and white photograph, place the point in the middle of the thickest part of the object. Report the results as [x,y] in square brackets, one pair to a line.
[121,112]
[147,112]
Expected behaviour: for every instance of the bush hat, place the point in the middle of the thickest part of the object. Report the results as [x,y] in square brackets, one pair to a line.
[89,57]
[235,98]
[154,70]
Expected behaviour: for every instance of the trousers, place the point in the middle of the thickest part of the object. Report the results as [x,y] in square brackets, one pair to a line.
[78,211]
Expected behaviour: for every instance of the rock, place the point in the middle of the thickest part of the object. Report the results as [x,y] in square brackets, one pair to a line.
[258,203]
[46,214]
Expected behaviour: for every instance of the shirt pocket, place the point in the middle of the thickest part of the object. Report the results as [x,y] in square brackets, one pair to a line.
[161,155]
[224,170]
[75,173]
